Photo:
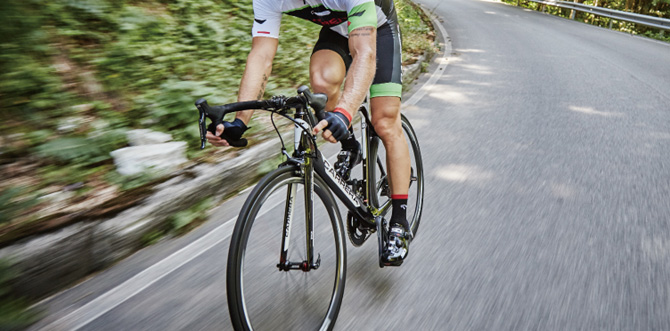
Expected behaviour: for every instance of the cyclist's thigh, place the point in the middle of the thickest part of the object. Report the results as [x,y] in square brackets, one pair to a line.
[327,68]
[328,64]
[330,54]
[388,77]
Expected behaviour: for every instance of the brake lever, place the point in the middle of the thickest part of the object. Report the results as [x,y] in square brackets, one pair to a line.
[215,115]
[315,100]
[203,128]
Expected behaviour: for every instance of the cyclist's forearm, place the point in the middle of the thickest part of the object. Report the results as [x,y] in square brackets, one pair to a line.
[362,70]
[252,86]
[255,78]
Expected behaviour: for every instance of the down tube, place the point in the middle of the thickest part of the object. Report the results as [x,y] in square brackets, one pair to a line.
[340,187]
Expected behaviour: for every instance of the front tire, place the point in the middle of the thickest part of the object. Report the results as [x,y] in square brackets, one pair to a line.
[259,295]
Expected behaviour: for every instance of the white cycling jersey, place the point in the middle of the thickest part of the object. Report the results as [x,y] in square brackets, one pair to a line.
[341,16]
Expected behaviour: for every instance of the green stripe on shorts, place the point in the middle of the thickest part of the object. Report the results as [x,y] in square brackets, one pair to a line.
[386,90]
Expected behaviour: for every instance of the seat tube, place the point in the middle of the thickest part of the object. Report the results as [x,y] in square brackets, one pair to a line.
[365,142]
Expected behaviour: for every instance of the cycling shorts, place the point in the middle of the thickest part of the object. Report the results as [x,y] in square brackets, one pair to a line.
[388,77]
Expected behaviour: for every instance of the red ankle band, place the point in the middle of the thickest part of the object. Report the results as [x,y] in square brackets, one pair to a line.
[399,196]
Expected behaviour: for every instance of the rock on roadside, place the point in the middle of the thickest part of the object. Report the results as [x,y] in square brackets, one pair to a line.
[149,151]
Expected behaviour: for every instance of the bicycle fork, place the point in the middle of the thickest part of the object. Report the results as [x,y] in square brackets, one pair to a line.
[291,196]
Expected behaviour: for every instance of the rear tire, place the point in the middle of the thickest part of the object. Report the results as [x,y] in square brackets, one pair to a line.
[259,295]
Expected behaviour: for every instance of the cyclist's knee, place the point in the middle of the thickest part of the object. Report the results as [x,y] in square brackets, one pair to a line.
[388,128]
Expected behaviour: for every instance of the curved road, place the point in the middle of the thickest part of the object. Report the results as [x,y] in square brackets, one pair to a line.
[547,148]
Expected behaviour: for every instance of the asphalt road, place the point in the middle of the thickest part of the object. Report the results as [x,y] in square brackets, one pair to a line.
[547,149]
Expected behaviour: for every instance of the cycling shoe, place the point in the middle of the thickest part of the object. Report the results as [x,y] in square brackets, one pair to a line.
[397,246]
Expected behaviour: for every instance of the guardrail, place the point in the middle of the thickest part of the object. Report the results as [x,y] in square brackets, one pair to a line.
[650,21]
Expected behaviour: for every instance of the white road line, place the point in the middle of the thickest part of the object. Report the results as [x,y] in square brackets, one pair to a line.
[128,289]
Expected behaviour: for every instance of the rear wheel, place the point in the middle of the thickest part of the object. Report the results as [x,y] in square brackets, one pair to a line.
[379,181]
[261,295]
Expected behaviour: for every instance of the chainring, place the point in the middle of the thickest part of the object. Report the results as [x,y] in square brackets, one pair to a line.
[358,234]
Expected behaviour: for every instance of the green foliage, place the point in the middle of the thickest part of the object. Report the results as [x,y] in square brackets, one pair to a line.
[658,8]
[132,181]
[416,29]
[14,312]
[68,149]
[660,36]
[13,202]
[182,220]
[135,64]
[152,237]
[78,150]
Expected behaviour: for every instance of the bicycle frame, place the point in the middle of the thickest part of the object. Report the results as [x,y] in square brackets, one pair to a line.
[308,159]
[307,156]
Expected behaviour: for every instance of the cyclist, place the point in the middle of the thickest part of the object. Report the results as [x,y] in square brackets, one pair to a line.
[360,40]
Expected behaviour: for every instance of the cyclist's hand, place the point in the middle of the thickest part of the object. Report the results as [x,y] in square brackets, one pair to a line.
[227,134]
[336,125]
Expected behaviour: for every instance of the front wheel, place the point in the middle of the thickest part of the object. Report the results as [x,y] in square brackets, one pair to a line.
[272,233]
[379,181]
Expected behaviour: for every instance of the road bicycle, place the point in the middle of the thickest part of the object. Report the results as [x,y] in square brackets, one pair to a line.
[287,257]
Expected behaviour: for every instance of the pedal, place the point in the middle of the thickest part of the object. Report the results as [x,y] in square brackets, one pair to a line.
[382,239]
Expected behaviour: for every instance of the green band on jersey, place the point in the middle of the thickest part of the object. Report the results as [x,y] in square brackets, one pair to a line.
[386,90]
[363,15]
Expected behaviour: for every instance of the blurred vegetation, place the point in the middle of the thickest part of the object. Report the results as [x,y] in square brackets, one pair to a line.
[76,75]
[14,312]
[657,8]
[73,68]
[12,203]
[418,35]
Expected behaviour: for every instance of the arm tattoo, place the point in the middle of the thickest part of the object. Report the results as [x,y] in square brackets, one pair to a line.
[362,32]
[262,90]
